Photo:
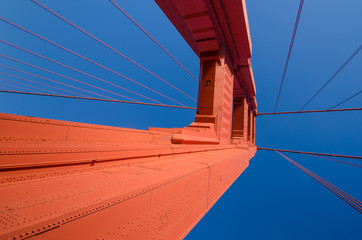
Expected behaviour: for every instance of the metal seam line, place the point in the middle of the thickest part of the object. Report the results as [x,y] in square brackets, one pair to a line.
[152,38]
[108,46]
[97,99]
[311,153]
[77,70]
[24,79]
[353,202]
[312,111]
[290,50]
[3,79]
[347,99]
[72,79]
[84,58]
[333,76]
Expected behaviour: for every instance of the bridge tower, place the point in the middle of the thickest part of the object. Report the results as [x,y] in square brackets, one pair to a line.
[67,180]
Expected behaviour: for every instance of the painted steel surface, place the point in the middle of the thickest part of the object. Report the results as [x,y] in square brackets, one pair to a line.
[217,27]
[66,180]
[89,181]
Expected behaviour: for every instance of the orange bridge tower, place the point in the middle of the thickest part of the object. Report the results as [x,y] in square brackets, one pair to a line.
[67,180]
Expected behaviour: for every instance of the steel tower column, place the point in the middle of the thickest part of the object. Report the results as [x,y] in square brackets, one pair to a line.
[66,180]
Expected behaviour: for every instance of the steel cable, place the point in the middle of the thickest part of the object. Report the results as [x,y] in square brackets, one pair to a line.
[60,75]
[43,84]
[347,99]
[312,153]
[339,161]
[290,51]
[77,70]
[108,46]
[332,77]
[46,90]
[84,58]
[97,99]
[51,80]
[312,111]
[152,38]
[335,190]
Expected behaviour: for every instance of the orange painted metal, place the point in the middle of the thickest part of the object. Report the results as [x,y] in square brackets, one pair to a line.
[85,181]
[66,180]
[221,28]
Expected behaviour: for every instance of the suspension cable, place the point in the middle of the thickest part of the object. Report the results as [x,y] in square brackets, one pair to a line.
[347,99]
[290,51]
[51,80]
[72,79]
[339,161]
[353,202]
[77,70]
[108,46]
[97,99]
[13,86]
[152,38]
[27,85]
[91,61]
[311,153]
[332,77]
[43,84]
[330,186]
[312,111]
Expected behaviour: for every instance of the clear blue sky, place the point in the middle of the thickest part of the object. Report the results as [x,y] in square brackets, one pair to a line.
[272,199]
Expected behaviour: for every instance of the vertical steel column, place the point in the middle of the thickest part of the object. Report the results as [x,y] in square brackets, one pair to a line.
[253,132]
[251,127]
[215,96]
[240,119]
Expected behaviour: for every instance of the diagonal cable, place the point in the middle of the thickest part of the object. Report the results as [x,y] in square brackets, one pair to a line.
[311,111]
[152,38]
[13,86]
[27,85]
[353,202]
[108,46]
[84,58]
[51,80]
[312,153]
[347,99]
[340,161]
[97,99]
[60,75]
[43,84]
[332,77]
[77,70]
[325,183]
[290,51]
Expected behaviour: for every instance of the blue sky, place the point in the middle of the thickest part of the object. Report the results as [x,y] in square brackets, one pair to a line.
[272,199]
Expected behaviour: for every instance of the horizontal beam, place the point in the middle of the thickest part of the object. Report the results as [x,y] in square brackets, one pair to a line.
[312,111]
[310,153]
[163,197]
[96,99]
[30,142]
[118,156]
[82,181]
